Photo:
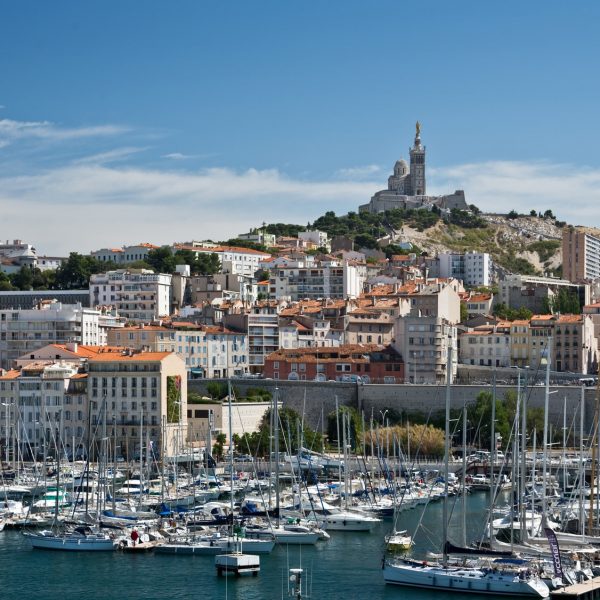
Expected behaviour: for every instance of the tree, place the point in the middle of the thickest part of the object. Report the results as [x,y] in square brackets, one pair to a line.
[75,272]
[481,412]
[240,243]
[549,215]
[162,260]
[533,213]
[464,312]
[208,264]
[513,214]
[334,423]
[23,279]
[291,435]
[219,446]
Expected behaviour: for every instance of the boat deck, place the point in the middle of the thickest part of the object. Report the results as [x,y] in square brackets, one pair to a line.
[587,590]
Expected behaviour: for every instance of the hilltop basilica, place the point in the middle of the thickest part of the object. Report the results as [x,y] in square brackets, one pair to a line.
[407,187]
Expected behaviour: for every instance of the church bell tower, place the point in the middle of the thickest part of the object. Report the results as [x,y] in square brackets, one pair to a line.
[417,165]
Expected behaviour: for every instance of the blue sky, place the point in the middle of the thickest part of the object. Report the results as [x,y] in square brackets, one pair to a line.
[169,121]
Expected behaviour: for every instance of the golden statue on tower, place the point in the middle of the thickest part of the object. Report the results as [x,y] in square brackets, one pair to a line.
[418,126]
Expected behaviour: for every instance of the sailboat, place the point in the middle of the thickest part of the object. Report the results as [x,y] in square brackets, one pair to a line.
[465,579]
[80,538]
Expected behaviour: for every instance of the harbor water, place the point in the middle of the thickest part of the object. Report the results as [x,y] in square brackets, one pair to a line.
[347,566]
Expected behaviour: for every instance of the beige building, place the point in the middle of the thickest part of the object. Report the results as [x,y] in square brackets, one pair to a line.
[581,253]
[140,389]
[368,326]
[207,351]
[488,345]
[423,343]
[44,404]
[245,418]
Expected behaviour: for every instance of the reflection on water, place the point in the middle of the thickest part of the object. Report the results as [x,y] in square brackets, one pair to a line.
[348,566]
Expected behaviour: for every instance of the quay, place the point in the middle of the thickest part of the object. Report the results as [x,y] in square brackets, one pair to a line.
[587,590]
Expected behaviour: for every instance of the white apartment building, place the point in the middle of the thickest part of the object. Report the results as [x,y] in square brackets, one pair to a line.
[22,331]
[44,406]
[306,278]
[316,237]
[473,268]
[207,351]
[142,395]
[423,342]
[137,294]
[236,261]
[262,326]
[126,254]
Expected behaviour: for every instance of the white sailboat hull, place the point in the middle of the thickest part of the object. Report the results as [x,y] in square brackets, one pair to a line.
[463,580]
[47,541]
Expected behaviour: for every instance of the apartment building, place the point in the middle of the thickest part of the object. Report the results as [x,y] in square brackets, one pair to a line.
[208,351]
[423,342]
[307,278]
[138,294]
[472,268]
[142,396]
[124,255]
[537,293]
[581,253]
[478,303]
[487,345]
[234,260]
[369,326]
[353,363]
[23,331]
[44,408]
[261,324]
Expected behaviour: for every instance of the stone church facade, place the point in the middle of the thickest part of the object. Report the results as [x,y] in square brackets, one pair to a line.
[407,187]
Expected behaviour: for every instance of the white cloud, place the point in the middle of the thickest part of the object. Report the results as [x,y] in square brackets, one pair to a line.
[176,156]
[12,131]
[90,204]
[115,155]
[87,206]
[358,172]
[572,193]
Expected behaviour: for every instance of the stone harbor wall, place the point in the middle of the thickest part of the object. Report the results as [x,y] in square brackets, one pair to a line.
[314,399]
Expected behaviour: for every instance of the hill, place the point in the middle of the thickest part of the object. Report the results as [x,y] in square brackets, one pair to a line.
[523,244]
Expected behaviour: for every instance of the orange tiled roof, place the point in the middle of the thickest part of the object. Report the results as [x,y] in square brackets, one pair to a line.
[135,357]
[569,319]
[12,374]
[89,351]
[480,297]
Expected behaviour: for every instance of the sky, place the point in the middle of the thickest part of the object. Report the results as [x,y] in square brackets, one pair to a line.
[125,122]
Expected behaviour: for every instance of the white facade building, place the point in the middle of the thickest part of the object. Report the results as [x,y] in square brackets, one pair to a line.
[318,238]
[126,254]
[22,331]
[306,278]
[137,294]
[237,261]
[473,268]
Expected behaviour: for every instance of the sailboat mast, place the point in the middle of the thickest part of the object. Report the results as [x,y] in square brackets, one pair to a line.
[230,450]
[464,474]
[545,445]
[276,444]
[523,523]
[581,468]
[446,453]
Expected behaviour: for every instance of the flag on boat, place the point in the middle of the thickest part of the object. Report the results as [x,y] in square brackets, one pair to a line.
[554,550]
